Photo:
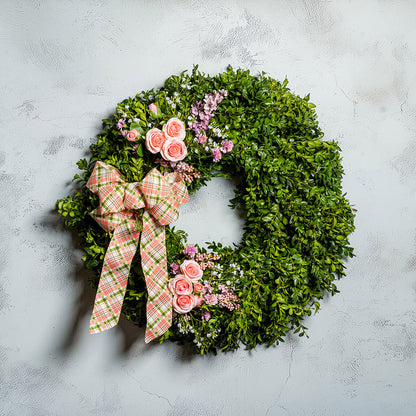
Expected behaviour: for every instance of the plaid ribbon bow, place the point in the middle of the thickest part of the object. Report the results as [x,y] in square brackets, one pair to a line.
[160,196]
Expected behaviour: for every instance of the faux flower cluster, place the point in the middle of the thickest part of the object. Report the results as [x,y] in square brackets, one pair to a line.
[201,114]
[187,283]
[168,141]
[185,286]
[203,111]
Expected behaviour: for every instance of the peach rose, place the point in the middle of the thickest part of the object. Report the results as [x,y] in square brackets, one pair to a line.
[191,269]
[198,301]
[155,140]
[183,303]
[198,287]
[174,129]
[174,150]
[153,108]
[131,135]
[180,285]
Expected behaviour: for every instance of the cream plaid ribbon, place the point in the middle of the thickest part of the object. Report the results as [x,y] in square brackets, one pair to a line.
[120,202]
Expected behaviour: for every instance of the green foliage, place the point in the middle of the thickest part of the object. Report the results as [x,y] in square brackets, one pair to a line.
[298,220]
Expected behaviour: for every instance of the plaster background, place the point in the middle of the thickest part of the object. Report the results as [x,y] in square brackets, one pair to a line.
[64,65]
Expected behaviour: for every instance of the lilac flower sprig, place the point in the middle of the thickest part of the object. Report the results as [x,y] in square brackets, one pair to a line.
[203,111]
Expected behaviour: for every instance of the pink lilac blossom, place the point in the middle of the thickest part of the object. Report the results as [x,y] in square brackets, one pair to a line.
[203,112]
[124,133]
[211,299]
[120,123]
[208,287]
[206,316]
[216,152]
[174,268]
[227,146]
[225,290]
[190,250]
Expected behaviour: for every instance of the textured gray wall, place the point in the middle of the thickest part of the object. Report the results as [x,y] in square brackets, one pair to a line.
[64,66]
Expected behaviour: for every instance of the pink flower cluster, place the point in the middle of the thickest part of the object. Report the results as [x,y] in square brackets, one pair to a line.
[226,147]
[187,172]
[168,141]
[190,250]
[205,260]
[185,286]
[225,299]
[203,111]
[120,124]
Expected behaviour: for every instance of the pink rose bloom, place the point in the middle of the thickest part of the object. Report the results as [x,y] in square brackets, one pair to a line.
[191,269]
[155,139]
[174,150]
[198,287]
[211,299]
[198,301]
[153,108]
[183,303]
[174,129]
[180,285]
[132,135]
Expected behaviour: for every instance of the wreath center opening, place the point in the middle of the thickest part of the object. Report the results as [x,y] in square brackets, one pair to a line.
[208,217]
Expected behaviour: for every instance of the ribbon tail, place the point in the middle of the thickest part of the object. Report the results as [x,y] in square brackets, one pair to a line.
[114,277]
[154,265]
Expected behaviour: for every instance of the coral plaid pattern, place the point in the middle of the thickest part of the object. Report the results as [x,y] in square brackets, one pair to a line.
[120,202]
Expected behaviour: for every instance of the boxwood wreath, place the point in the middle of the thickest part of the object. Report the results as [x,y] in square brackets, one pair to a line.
[253,129]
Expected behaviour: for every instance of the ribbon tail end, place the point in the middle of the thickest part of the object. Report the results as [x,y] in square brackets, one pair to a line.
[96,328]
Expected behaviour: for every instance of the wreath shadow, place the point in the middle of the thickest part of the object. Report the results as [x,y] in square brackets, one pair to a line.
[83,306]
[83,302]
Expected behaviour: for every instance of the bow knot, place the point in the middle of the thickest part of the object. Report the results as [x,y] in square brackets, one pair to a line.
[160,197]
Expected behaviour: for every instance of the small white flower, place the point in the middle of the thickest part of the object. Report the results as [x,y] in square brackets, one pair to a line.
[176,94]
[126,107]
[228,283]
[149,125]
[130,120]
[192,331]
[124,115]
[226,127]
[195,341]
[209,335]
[206,148]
